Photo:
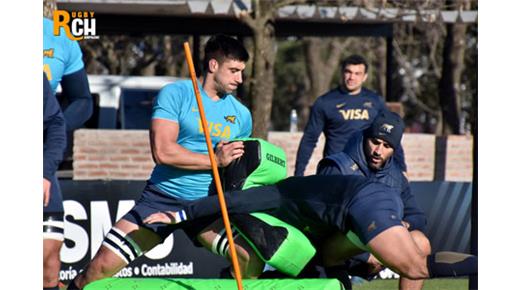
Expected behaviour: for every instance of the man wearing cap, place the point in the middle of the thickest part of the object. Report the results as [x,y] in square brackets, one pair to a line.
[370,153]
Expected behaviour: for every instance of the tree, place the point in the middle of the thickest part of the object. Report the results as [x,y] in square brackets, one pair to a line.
[322,57]
[452,67]
[261,22]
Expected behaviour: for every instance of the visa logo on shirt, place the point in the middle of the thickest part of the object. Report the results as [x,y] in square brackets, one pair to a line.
[355,114]
[216,130]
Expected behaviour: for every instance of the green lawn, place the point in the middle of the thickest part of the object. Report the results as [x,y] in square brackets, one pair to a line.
[436,284]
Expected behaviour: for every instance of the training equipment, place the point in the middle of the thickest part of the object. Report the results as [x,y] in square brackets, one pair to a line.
[212,284]
[353,238]
[263,163]
[277,243]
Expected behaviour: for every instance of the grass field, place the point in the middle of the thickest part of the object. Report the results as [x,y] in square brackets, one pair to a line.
[436,284]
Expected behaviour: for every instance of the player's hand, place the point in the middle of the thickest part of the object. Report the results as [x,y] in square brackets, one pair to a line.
[46,192]
[405,224]
[165,217]
[228,151]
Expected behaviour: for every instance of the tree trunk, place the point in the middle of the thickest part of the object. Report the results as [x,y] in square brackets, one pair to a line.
[449,85]
[49,6]
[261,21]
[320,70]
[452,67]
[380,67]
[263,75]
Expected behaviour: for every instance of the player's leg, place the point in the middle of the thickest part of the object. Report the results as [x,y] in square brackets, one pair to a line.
[214,238]
[129,238]
[423,244]
[335,250]
[124,243]
[376,219]
[368,266]
[53,236]
[395,248]
[52,242]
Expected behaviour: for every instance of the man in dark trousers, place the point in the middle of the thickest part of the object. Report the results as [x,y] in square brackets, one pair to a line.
[54,143]
[370,153]
[63,66]
[339,113]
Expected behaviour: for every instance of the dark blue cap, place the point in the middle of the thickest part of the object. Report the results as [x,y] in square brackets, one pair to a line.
[387,126]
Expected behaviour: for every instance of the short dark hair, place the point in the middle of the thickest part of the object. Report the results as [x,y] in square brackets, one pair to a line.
[222,47]
[354,59]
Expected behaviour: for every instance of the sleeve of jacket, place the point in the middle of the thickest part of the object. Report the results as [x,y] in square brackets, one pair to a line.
[413,214]
[76,89]
[310,136]
[399,158]
[54,135]
[328,167]
[265,198]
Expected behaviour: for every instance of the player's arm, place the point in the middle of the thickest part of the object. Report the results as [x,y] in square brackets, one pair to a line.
[54,138]
[328,167]
[166,150]
[413,214]
[54,135]
[254,199]
[309,139]
[75,87]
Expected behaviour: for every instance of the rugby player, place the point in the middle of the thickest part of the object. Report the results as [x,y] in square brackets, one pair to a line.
[320,206]
[370,153]
[182,172]
[63,64]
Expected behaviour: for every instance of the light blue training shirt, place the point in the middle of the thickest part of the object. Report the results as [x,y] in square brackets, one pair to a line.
[61,55]
[227,119]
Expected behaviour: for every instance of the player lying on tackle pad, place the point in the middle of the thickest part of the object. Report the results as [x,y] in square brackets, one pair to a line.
[322,206]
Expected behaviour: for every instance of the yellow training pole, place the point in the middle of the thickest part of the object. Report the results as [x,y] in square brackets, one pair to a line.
[214,168]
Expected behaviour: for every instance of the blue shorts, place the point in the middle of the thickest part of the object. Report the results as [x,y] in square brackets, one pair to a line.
[55,205]
[374,209]
[154,200]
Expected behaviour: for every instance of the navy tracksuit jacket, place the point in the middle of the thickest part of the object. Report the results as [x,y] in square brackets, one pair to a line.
[352,161]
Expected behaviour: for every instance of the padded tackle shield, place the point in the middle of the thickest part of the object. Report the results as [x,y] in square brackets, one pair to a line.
[277,243]
[263,163]
[354,239]
[212,284]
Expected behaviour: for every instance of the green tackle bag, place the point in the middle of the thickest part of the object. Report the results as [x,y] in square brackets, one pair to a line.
[263,163]
[276,242]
